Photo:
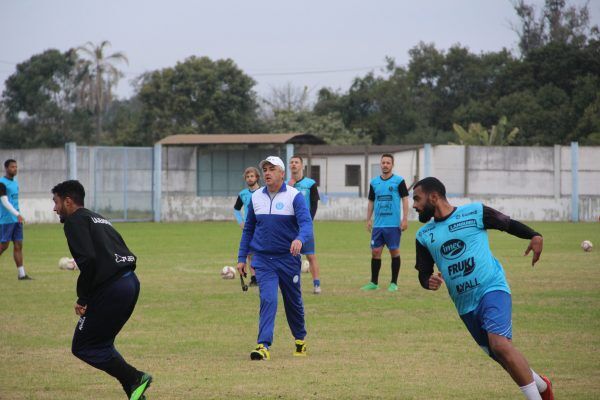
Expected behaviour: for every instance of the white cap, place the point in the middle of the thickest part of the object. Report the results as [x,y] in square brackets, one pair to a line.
[272,160]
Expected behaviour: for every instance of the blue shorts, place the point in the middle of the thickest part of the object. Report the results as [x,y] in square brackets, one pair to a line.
[308,248]
[11,232]
[386,236]
[492,315]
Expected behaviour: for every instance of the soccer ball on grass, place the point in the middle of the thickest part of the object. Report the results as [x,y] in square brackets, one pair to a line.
[586,245]
[228,272]
[67,263]
[305,266]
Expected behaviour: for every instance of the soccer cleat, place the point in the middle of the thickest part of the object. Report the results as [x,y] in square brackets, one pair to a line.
[317,289]
[253,281]
[547,394]
[370,286]
[393,287]
[25,278]
[137,391]
[300,348]
[260,353]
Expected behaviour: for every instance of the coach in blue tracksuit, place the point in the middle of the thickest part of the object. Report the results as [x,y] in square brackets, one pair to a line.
[277,225]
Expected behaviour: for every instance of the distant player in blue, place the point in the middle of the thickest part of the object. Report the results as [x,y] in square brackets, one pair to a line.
[308,188]
[277,227]
[386,193]
[11,220]
[457,242]
[251,176]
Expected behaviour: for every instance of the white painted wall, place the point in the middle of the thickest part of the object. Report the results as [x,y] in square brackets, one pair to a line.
[526,182]
[193,208]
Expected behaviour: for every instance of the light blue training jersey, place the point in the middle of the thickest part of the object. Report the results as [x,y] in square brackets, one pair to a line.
[387,210]
[246,196]
[303,186]
[460,248]
[12,192]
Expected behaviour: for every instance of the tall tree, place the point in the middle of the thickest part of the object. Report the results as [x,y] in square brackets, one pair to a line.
[198,95]
[329,127]
[40,104]
[556,23]
[101,76]
[286,98]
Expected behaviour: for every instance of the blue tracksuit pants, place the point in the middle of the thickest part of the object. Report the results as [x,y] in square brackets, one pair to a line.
[283,272]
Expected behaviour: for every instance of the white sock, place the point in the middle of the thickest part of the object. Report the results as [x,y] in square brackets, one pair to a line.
[531,391]
[21,271]
[539,382]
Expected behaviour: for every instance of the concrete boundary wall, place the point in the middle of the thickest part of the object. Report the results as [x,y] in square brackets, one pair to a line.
[192,208]
[529,183]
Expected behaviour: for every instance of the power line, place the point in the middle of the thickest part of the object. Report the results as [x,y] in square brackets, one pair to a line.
[325,71]
[275,73]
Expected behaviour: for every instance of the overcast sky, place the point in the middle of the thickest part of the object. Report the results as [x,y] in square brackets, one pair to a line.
[306,43]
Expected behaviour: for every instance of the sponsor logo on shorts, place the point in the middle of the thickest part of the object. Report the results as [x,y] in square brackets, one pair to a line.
[81,322]
[457,226]
[453,248]
[295,279]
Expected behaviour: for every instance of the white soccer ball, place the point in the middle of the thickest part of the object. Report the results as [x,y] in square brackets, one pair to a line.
[67,263]
[586,245]
[305,266]
[228,272]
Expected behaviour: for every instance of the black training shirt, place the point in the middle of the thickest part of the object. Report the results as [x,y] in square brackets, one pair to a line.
[99,251]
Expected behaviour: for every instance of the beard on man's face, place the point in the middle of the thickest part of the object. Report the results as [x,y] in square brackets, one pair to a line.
[427,213]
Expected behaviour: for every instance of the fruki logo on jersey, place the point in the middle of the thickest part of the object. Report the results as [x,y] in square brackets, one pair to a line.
[466,267]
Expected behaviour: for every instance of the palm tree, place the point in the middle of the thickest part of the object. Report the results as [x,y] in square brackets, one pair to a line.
[100,77]
[478,135]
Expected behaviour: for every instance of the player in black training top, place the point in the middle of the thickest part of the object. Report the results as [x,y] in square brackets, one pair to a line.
[107,288]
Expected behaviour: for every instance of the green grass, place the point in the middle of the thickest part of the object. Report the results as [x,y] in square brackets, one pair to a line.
[193,331]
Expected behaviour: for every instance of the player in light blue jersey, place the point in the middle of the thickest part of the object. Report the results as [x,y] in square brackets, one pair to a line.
[308,188]
[251,176]
[457,242]
[386,194]
[11,220]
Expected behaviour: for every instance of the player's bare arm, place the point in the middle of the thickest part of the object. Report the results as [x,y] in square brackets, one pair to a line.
[404,223]
[370,216]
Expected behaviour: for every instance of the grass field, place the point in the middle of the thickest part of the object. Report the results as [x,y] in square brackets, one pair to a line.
[193,331]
